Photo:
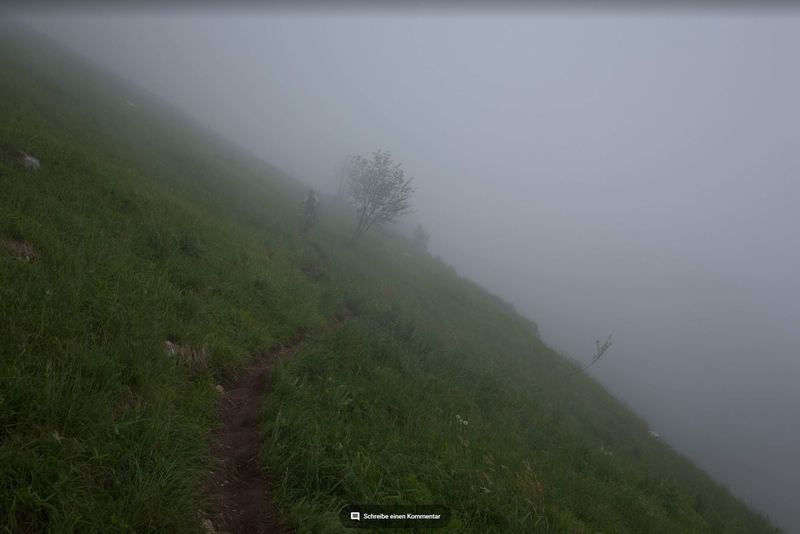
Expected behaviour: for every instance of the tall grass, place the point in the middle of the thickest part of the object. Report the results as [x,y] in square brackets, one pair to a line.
[148,229]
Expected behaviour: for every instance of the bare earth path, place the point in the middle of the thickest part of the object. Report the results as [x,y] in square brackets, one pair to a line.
[239,486]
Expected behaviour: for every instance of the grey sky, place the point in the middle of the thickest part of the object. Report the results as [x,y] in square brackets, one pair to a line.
[634,176]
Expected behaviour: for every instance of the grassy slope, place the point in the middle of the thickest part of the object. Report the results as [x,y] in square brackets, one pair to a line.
[149,229]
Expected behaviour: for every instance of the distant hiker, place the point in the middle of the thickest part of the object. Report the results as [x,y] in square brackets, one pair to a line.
[310,204]
[310,207]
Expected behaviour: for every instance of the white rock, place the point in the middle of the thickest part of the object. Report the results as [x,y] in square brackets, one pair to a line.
[29,162]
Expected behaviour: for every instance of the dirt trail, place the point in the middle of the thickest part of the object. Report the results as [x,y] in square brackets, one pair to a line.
[239,486]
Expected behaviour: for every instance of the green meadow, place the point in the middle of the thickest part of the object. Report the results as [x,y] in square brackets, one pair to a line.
[142,227]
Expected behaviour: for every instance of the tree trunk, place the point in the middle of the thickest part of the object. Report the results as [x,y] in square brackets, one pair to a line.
[359,228]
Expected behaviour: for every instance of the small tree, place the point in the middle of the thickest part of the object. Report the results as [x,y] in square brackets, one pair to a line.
[379,190]
[600,350]
[421,237]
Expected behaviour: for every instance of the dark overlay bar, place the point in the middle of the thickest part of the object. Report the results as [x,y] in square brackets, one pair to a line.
[394,516]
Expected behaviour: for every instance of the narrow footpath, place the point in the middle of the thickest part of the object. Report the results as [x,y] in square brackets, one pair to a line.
[239,487]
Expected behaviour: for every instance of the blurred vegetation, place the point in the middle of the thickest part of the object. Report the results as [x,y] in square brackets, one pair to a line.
[421,237]
[142,228]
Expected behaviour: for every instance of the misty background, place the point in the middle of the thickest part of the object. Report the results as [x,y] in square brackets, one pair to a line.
[634,176]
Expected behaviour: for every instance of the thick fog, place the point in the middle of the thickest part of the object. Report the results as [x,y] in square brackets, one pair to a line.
[608,175]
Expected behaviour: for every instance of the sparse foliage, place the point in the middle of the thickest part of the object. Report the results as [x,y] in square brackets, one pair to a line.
[379,190]
[599,351]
